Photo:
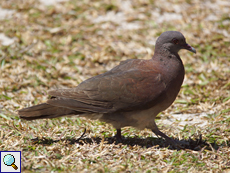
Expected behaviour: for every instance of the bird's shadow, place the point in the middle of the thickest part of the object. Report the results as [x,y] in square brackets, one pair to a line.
[196,144]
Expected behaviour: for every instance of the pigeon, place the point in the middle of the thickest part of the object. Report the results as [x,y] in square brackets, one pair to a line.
[131,94]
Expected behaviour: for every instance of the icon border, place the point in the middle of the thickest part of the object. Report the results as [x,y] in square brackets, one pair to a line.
[1,162]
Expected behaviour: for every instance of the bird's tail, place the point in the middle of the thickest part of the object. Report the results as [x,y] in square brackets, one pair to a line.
[44,110]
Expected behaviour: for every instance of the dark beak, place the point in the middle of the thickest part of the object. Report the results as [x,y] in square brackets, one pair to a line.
[190,48]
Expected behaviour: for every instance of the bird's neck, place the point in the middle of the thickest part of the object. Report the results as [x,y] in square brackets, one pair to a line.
[165,55]
[164,50]
[170,62]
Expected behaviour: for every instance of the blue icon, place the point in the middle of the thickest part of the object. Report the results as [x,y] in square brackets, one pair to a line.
[9,160]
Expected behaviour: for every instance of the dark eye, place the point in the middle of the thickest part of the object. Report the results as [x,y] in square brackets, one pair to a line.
[175,41]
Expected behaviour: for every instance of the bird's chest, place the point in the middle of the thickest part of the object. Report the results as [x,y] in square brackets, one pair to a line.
[173,82]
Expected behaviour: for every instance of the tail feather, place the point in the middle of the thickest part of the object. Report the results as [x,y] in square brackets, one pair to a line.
[44,110]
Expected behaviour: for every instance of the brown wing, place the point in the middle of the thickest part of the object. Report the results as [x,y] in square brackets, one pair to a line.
[123,88]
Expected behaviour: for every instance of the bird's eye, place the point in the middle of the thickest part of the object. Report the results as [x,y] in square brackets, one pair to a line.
[175,41]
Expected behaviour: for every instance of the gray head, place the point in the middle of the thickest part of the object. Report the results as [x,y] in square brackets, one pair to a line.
[172,41]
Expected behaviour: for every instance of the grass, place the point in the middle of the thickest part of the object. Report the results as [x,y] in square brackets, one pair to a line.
[61,46]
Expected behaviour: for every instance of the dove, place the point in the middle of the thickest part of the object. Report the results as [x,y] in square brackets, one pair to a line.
[131,94]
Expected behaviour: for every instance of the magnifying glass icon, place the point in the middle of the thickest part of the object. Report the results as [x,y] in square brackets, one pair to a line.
[9,160]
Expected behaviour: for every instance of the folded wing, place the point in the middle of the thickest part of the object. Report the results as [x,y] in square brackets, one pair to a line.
[124,88]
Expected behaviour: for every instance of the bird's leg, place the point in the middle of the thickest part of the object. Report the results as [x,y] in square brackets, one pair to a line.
[158,132]
[168,139]
[118,135]
[81,135]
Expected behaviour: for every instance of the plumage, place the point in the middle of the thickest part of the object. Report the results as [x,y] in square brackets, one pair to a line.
[131,94]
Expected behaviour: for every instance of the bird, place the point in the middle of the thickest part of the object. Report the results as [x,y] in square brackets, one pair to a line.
[132,93]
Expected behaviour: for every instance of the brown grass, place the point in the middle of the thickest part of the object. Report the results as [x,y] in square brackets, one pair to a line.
[59,46]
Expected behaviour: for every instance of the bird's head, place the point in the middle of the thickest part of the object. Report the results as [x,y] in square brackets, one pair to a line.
[172,41]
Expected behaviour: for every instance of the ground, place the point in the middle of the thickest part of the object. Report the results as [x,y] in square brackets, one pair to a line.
[59,43]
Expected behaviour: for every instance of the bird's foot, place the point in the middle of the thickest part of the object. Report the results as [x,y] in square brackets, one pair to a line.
[175,143]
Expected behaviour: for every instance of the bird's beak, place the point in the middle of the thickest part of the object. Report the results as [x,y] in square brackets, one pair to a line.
[190,48]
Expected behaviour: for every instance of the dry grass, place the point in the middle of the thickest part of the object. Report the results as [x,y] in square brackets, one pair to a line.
[60,46]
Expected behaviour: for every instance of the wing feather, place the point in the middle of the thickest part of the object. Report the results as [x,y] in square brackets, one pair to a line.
[119,89]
